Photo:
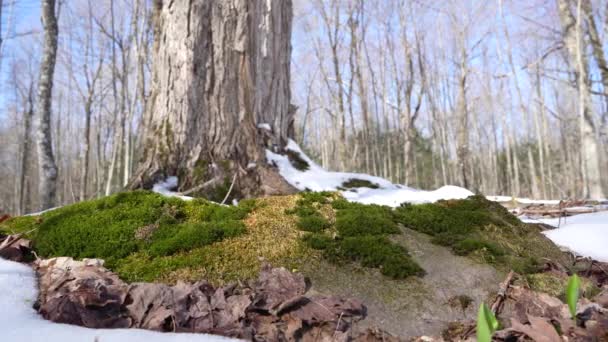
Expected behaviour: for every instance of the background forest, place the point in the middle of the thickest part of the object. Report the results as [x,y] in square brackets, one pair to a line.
[501,97]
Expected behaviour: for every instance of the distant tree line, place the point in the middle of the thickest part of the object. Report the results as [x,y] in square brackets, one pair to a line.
[502,97]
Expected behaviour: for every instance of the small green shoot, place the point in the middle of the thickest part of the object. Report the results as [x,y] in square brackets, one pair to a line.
[572,293]
[486,324]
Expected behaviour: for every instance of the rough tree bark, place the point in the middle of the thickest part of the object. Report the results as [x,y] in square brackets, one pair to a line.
[46,160]
[573,40]
[221,70]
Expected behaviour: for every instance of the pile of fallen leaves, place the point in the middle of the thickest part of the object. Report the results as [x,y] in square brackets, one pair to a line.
[273,308]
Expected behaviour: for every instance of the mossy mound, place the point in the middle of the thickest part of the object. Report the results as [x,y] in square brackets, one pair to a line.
[148,237]
[271,236]
[483,230]
[359,234]
[145,236]
[347,249]
[116,227]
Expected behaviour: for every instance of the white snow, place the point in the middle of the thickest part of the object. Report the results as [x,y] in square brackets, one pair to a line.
[265,126]
[165,188]
[584,234]
[20,322]
[318,179]
[521,200]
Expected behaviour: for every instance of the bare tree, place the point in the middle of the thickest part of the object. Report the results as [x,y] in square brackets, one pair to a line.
[46,160]
[573,40]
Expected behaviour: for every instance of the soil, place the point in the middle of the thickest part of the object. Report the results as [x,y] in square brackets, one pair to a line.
[415,306]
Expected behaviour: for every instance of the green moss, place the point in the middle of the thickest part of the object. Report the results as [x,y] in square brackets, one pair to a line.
[359,183]
[467,246]
[555,285]
[309,198]
[271,236]
[107,228]
[360,219]
[318,241]
[371,251]
[361,234]
[378,251]
[482,230]
[22,224]
[313,223]
[184,237]
[297,161]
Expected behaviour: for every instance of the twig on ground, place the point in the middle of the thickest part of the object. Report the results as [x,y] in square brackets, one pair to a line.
[229,189]
[502,293]
[200,187]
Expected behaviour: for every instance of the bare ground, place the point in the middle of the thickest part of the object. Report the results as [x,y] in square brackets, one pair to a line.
[415,306]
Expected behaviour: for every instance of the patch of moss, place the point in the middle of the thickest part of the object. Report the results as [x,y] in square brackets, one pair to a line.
[371,251]
[377,251]
[271,236]
[359,183]
[467,246]
[360,234]
[313,223]
[307,207]
[309,198]
[21,224]
[180,238]
[107,228]
[297,161]
[555,285]
[483,230]
[361,219]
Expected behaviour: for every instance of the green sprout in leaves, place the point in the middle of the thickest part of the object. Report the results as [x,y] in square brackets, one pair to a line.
[486,324]
[572,293]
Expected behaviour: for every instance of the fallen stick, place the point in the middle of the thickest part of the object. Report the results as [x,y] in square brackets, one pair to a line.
[9,241]
[557,212]
[502,293]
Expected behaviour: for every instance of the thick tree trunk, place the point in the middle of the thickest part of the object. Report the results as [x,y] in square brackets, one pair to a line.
[221,70]
[46,160]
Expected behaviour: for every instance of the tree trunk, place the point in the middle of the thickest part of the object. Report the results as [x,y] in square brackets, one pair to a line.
[573,40]
[27,121]
[463,117]
[46,160]
[221,70]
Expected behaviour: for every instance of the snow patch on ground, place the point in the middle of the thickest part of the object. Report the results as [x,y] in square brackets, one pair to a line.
[521,200]
[166,187]
[318,179]
[584,234]
[20,322]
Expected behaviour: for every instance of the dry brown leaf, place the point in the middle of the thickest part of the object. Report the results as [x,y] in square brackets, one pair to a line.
[539,329]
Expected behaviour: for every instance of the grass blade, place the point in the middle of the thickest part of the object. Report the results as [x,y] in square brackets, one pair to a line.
[572,293]
[486,324]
